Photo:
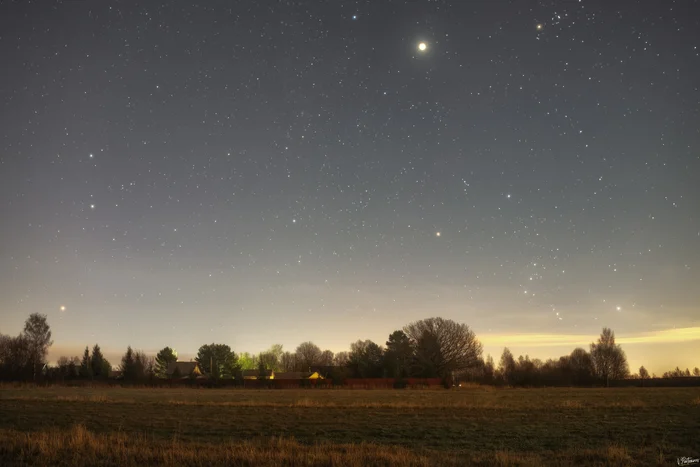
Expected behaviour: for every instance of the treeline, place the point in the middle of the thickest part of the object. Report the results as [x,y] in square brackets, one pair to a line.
[430,348]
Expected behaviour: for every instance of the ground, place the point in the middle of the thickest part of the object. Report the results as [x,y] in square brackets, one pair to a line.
[478,425]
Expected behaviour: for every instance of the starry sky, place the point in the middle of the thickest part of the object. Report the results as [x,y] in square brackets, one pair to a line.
[269,172]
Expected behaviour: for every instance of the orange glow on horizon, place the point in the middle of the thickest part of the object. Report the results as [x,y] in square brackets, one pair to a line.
[552,340]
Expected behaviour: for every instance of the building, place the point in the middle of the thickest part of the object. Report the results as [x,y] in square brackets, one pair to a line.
[298,375]
[184,370]
[255,374]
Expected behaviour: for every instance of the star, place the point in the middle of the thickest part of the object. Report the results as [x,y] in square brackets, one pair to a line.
[92,206]
[539,27]
[354,17]
[422,46]
[437,234]
[62,308]
[619,308]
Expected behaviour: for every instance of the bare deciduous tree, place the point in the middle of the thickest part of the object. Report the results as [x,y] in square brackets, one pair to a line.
[443,346]
[581,366]
[270,358]
[341,359]
[609,360]
[38,335]
[643,374]
[366,359]
[326,358]
[288,361]
[15,358]
[308,354]
[506,367]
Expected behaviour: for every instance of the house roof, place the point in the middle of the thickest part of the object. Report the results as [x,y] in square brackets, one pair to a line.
[255,373]
[323,370]
[297,375]
[290,375]
[185,368]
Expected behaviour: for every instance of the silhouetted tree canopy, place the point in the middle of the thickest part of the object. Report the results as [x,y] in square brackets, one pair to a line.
[443,346]
[398,355]
[99,365]
[129,369]
[38,337]
[164,358]
[506,367]
[288,361]
[366,359]
[86,364]
[217,360]
[609,360]
[308,354]
[326,358]
[15,358]
[341,359]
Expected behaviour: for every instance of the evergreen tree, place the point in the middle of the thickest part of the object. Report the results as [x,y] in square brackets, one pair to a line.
[85,364]
[164,358]
[129,367]
[97,363]
[398,355]
[218,360]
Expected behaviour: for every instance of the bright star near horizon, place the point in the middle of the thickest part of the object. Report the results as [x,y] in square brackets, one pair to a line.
[62,308]
[422,46]
[619,308]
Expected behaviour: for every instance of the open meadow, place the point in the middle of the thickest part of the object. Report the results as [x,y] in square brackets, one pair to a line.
[477,426]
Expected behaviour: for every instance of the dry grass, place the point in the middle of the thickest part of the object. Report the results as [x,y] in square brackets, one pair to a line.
[476,397]
[78,446]
[81,447]
[183,426]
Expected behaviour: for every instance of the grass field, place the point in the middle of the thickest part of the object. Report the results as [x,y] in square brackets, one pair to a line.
[477,426]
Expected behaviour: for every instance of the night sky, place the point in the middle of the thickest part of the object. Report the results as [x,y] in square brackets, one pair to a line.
[267,172]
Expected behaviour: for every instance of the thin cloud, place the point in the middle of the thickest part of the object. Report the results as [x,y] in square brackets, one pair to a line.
[554,340]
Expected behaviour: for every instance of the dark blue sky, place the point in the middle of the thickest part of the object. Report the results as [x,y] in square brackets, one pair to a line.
[261,172]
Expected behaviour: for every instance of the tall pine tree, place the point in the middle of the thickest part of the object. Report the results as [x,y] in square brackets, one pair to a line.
[128,366]
[97,363]
[86,364]
[164,358]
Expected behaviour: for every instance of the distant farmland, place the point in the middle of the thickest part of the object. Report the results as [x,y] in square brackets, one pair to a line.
[482,426]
